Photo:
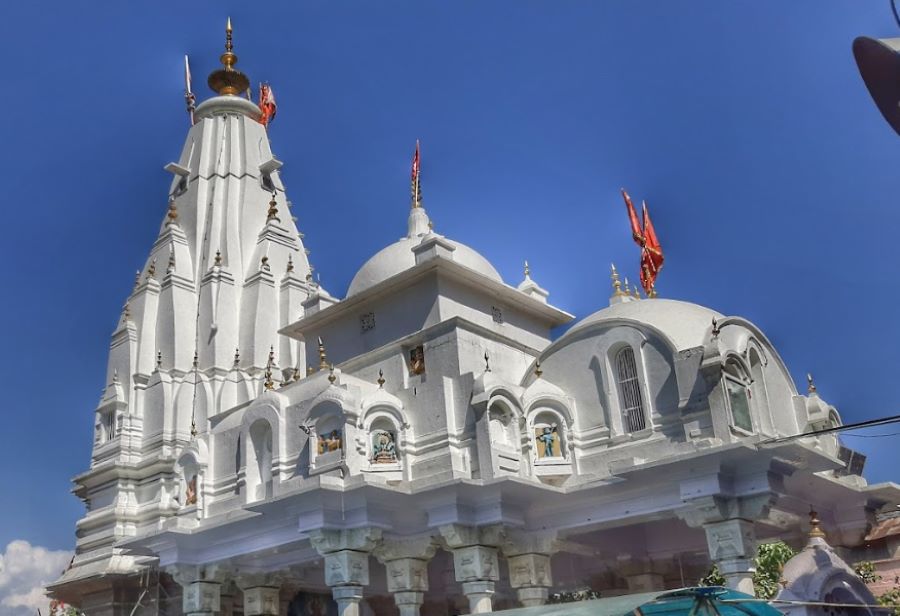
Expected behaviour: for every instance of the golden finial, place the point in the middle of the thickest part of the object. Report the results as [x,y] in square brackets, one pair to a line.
[323,359]
[273,210]
[218,260]
[296,375]
[617,286]
[193,429]
[227,80]
[331,376]
[810,384]
[264,263]
[537,368]
[627,287]
[290,265]
[814,529]
[380,379]
[151,271]
[172,214]
[527,270]
[237,357]
[652,293]
[636,292]
[715,328]
[487,362]
[269,384]
[309,370]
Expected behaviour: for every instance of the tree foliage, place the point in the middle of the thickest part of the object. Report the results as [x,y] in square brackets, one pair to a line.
[769,561]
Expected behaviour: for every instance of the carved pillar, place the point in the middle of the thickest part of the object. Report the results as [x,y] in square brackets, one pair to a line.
[475,562]
[730,536]
[406,563]
[732,546]
[261,594]
[346,555]
[200,588]
[528,557]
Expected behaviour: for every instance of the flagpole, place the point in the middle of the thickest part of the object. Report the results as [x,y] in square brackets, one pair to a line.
[188,95]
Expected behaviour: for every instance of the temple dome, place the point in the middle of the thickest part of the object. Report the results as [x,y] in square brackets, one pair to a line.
[685,324]
[399,257]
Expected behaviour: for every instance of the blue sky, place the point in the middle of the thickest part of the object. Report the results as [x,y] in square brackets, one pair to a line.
[768,170]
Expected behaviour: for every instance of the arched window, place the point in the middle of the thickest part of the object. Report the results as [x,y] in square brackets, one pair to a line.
[737,388]
[632,403]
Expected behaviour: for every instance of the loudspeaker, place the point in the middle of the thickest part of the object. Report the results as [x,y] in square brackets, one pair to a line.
[879,64]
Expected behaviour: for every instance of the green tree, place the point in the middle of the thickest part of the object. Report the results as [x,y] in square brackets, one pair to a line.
[769,561]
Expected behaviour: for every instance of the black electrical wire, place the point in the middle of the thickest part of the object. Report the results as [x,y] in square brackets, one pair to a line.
[860,424]
[894,11]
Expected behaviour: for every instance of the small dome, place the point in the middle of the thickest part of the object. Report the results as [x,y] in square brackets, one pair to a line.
[687,325]
[399,257]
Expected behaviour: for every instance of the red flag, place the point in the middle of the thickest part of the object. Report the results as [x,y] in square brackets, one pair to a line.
[644,235]
[415,189]
[651,255]
[267,104]
[636,232]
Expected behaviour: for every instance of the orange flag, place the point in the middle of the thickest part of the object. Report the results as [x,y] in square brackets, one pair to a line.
[644,235]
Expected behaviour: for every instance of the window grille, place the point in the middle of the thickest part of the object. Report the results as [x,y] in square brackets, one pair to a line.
[630,391]
[110,425]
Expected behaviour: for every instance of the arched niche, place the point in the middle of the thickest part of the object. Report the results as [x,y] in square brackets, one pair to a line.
[549,427]
[384,434]
[190,473]
[327,426]
[503,424]
[260,456]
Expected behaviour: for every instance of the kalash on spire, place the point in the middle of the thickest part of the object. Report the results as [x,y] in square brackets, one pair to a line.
[236,274]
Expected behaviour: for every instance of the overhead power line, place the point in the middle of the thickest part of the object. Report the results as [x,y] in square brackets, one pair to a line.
[851,426]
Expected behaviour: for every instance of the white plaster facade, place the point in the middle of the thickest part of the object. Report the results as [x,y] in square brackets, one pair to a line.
[439,451]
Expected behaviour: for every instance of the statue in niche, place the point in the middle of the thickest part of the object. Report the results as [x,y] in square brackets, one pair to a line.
[190,494]
[417,360]
[548,441]
[331,442]
[384,449]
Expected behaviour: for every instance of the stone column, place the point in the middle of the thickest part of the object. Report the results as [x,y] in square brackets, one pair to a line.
[528,557]
[346,555]
[200,588]
[475,562]
[261,593]
[406,563]
[732,546]
[730,536]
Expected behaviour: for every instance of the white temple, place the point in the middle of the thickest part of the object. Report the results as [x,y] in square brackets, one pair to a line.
[424,444]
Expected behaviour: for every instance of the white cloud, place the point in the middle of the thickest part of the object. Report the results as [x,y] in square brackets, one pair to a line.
[24,571]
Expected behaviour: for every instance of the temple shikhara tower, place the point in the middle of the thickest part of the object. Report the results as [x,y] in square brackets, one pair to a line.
[423,445]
